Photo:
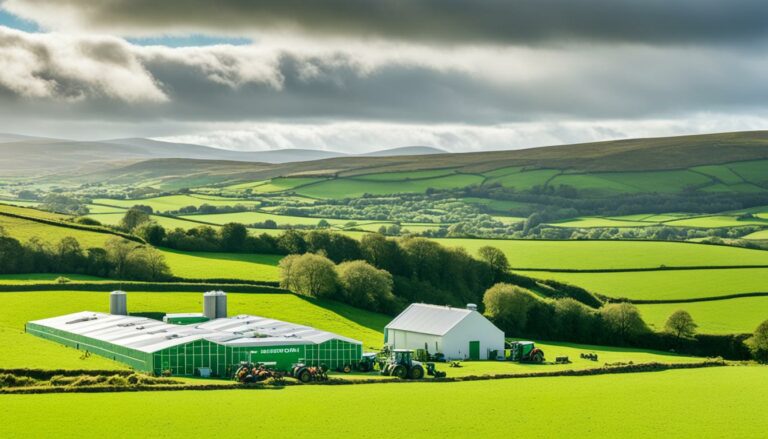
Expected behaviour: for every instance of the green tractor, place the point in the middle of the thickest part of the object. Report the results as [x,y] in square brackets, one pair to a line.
[525,352]
[402,365]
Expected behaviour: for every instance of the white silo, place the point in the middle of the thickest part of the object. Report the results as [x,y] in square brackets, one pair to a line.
[118,303]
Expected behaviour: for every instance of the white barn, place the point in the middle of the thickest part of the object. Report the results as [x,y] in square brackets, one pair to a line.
[457,333]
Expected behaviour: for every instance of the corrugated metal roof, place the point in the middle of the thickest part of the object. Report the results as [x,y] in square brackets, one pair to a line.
[428,319]
[149,335]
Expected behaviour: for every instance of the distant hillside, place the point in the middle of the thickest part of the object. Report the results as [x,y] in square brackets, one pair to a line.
[406,150]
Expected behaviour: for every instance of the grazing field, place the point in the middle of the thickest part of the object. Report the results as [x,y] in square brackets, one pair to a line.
[761,235]
[666,285]
[732,316]
[719,172]
[612,254]
[24,350]
[24,229]
[715,221]
[203,265]
[525,180]
[28,211]
[45,278]
[592,222]
[113,219]
[175,202]
[354,187]
[724,401]
[260,217]
[279,184]
[404,175]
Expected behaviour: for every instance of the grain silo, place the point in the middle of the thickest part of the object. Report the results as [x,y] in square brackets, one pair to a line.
[118,303]
[215,305]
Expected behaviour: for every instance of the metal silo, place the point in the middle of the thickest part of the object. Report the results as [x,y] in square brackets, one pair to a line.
[221,304]
[118,303]
[209,305]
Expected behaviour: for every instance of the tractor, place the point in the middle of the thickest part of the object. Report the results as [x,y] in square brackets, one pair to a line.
[368,362]
[525,352]
[306,374]
[402,365]
[255,372]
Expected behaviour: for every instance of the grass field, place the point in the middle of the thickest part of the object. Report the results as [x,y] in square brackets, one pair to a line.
[113,219]
[593,222]
[354,187]
[730,316]
[175,202]
[274,185]
[23,350]
[666,285]
[524,180]
[23,230]
[722,402]
[202,265]
[612,254]
[45,277]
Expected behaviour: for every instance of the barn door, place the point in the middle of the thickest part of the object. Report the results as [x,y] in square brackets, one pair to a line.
[474,350]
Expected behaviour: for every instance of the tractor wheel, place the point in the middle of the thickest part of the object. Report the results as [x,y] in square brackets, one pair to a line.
[347,368]
[399,371]
[304,376]
[417,373]
[538,357]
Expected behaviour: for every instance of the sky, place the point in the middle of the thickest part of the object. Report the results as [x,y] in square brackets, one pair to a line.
[361,75]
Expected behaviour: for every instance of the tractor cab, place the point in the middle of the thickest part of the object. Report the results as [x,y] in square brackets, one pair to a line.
[402,365]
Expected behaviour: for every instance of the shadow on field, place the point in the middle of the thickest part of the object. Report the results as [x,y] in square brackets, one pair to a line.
[367,319]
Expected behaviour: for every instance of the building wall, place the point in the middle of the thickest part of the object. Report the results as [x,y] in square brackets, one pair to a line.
[414,340]
[474,327]
[137,360]
[454,344]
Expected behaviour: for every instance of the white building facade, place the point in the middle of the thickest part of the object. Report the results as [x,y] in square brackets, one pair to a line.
[457,333]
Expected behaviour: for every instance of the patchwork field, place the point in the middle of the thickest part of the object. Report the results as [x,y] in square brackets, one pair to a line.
[358,186]
[613,254]
[728,400]
[666,284]
[203,265]
[175,202]
[730,316]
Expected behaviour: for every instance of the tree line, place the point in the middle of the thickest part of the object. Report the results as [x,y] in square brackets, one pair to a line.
[119,258]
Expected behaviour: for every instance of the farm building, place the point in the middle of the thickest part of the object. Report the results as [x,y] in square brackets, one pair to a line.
[220,344]
[457,333]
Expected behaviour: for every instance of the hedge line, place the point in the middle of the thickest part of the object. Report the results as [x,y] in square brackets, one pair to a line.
[640,269]
[555,289]
[688,300]
[606,370]
[76,226]
[145,286]
[46,374]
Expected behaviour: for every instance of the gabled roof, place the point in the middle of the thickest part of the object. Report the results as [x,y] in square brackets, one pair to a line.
[149,335]
[429,319]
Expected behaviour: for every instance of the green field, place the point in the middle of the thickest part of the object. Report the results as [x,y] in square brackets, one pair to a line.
[730,316]
[593,222]
[612,254]
[202,265]
[274,185]
[495,205]
[666,285]
[715,221]
[45,278]
[113,219]
[525,180]
[404,176]
[761,235]
[24,229]
[715,402]
[354,187]
[175,202]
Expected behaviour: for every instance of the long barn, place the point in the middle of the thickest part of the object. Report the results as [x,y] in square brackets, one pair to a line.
[153,346]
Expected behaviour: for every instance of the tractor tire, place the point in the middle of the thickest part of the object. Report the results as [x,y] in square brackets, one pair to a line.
[347,368]
[417,373]
[304,376]
[399,371]
[538,357]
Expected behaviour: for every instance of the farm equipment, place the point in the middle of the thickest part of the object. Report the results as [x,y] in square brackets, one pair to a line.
[256,372]
[433,372]
[368,362]
[590,356]
[307,374]
[525,352]
[402,365]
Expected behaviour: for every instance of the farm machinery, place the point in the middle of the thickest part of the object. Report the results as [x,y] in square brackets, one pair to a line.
[307,374]
[525,352]
[256,372]
[402,365]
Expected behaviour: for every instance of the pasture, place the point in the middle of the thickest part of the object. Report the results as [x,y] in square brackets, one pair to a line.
[665,284]
[354,187]
[205,265]
[612,254]
[726,401]
[176,202]
[732,316]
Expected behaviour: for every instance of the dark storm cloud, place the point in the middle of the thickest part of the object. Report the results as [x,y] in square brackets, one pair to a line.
[450,21]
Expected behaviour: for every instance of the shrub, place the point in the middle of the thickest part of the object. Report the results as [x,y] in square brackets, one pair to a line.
[10,380]
[61,380]
[623,320]
[365,286]
[117,380]
[681,324]
[62,280]
[758,344]
[509,305]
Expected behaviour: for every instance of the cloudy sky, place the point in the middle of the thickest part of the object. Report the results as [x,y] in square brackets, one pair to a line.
[359,75]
